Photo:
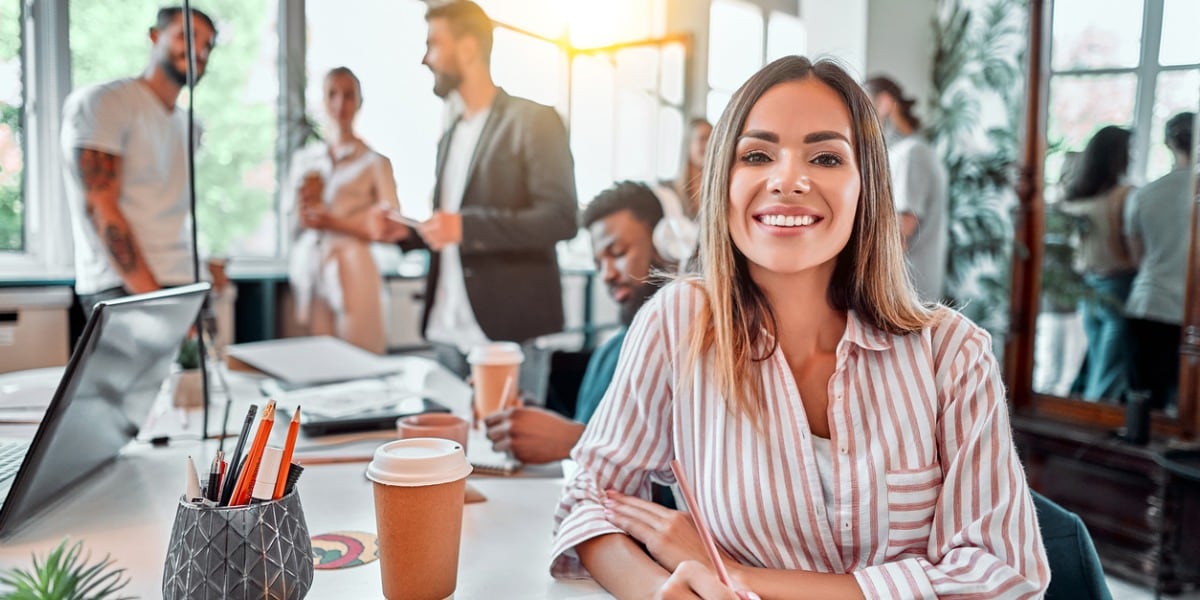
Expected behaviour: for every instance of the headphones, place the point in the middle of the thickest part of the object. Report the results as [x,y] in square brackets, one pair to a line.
[675,237]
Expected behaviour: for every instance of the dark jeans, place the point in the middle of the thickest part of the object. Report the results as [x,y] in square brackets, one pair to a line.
[1155,367]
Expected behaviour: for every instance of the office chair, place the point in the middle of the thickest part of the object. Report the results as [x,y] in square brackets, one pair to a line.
[1075,570]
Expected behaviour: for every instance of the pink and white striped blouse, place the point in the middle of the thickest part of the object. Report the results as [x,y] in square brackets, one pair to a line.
[929,497]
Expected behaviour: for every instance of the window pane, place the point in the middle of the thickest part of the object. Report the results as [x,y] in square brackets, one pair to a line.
[1089,36]
[735,43]
[670,142]
[383,42]
[1175,92]
[637,68]
[542,17]
[1179,45]
[1080,105]
[12,156]
[528,67]
[674,59]
[593,80]
[636,134]
[235,104]
[716,104]
[786,35]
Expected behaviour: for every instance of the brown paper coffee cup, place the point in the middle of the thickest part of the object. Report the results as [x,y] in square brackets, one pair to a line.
[419,489]
[493,366]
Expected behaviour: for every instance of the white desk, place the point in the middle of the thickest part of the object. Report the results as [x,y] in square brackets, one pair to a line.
[127,511]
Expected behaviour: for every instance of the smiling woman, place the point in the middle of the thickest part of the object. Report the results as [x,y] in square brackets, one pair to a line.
[799,364]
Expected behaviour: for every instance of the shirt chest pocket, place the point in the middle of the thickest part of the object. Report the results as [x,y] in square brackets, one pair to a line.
[912,495]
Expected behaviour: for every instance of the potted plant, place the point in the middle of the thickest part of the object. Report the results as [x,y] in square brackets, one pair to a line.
[65,574]
[188,387]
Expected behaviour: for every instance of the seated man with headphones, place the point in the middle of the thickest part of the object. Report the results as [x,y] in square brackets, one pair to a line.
[621,221]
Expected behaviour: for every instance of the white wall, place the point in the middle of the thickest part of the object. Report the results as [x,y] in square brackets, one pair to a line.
[838,29]
[900,45]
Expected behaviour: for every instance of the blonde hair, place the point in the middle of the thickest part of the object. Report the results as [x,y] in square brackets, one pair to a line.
[869,275]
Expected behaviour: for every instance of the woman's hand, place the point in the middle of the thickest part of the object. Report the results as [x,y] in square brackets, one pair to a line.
[315,216]
[668,535]
[693,580]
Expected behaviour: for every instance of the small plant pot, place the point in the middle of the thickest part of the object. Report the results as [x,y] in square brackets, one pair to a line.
[188,389]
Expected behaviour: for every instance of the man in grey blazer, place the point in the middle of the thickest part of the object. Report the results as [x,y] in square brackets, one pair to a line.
[505,194]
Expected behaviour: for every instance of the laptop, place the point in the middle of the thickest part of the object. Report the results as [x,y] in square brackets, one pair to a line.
[105,394]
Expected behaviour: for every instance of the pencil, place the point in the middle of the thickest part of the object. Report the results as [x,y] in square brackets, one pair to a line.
[288,448]
[236,457]
[241,492]
[705,535]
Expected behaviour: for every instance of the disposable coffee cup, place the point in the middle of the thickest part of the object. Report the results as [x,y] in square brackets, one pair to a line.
[495,367]
[419,489]
[434,425]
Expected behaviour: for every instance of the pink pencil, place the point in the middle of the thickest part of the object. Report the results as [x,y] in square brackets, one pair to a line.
[705,535]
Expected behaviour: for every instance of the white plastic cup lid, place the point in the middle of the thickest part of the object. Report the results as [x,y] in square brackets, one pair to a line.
[496,353]
[418,462]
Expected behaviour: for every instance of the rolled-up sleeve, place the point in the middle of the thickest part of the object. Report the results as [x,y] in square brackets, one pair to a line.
[984,540]
[627,443]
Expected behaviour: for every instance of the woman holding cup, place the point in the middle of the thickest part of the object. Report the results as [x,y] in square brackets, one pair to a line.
[335,281]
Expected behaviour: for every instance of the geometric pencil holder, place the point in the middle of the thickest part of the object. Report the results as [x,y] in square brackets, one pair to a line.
[256,551]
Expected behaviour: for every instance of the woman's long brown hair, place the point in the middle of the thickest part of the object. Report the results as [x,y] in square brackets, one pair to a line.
[869,276]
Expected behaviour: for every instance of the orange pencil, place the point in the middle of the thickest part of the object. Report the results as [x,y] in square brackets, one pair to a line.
[286,459]
[245,480]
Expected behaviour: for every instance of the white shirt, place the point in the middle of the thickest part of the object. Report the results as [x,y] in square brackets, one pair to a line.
[919,185]
[929,498]
[126,119]
[1160,215]
[451,319]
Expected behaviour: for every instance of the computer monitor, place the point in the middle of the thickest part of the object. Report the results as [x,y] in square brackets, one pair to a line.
[105,394]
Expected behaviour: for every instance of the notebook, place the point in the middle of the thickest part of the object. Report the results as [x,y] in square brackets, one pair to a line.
[308,361]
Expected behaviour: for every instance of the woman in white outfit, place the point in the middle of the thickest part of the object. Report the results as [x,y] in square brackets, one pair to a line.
[335,281]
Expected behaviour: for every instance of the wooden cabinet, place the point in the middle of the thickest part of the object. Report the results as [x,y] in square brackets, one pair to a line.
[1144,516]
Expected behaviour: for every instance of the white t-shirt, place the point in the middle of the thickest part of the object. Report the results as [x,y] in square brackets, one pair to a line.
[125,118]
[919,184]
[451,318]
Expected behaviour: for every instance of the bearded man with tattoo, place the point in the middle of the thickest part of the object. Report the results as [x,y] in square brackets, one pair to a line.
[124,145]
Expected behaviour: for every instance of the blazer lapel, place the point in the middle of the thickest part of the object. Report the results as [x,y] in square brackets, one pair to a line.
[442,149]
[485,137]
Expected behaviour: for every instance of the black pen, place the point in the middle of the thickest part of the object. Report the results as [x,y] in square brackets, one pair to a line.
[213,492]
[231,474]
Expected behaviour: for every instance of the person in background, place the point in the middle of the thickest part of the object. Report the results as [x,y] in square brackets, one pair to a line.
[336,185]
[125,169]
[620,221]
[505,195]
[919,185]
[686,184]
[1096,194]
[842,439]
[676,235]
[1157,224]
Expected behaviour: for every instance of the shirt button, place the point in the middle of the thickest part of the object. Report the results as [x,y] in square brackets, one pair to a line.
[838,396]
[845,524]
[843,450]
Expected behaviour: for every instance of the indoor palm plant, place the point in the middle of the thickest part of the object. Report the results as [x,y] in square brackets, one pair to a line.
[978,76]
[65,574]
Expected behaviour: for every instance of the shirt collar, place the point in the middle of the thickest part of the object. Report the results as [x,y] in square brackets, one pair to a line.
[864,335]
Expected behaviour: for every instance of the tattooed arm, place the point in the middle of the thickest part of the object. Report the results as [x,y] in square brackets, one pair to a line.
[101,176]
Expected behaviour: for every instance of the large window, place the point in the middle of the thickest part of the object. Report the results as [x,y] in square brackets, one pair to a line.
[609,68]
[12,151]
[235,108]
[1133,64]
[741,39]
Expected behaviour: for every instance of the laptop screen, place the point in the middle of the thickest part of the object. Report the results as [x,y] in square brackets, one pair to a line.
[106,393]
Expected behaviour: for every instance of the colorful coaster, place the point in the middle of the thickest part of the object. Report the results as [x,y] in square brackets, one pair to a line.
[344,549]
